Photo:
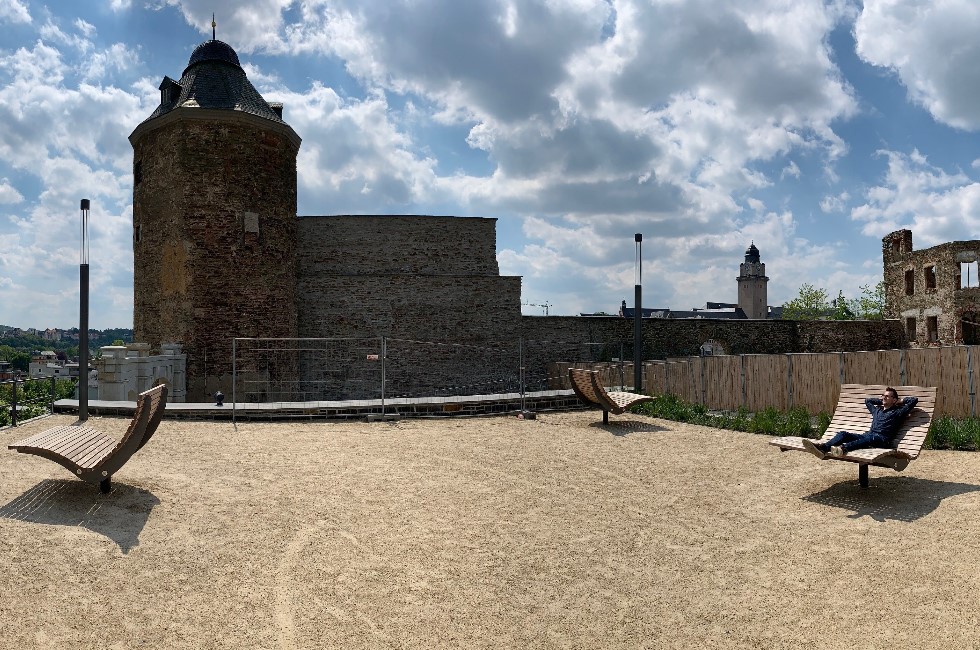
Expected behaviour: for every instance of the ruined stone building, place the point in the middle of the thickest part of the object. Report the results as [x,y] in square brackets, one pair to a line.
[935,292]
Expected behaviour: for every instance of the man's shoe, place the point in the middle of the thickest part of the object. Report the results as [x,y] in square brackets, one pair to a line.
[837,452]
[813,449]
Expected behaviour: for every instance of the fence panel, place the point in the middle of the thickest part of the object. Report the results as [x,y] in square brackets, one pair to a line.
[765,381]
[873,367]
[680,380]
[953,398]
[815,381]
[723,382]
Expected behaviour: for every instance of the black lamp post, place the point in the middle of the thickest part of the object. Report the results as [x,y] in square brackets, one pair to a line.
[637,317]
[83,319]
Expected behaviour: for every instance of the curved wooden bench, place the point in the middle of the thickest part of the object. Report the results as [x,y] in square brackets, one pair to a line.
[852,415]
[92,455]
[589,389]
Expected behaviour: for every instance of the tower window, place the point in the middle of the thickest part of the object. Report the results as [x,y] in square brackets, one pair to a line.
[932,328]
[138,233]
[137,173]
[910,328]
[910,282]
[930,272]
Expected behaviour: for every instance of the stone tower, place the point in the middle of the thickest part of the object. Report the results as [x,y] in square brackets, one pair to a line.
[752,282]
[214,217]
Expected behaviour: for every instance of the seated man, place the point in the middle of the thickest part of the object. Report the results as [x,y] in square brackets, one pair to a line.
[886,414]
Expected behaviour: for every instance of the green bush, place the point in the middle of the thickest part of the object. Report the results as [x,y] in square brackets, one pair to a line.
[950,433]
[771,421]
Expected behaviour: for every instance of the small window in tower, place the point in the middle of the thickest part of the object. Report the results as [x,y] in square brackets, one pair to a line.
[137,173]
[930,272]
[138,233]
[932,328]
[910,282]
[910,328]
[968,275]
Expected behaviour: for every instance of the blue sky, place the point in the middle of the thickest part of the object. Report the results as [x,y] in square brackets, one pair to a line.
[811,128]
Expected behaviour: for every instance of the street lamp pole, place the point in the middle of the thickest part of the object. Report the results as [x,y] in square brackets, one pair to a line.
[637,317]
[83,319]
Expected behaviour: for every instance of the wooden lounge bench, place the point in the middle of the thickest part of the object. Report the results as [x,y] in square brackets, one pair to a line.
[852,415]
[587,386]
[92,455]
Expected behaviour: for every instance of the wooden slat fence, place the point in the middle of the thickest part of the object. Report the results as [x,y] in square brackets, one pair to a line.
[810,381]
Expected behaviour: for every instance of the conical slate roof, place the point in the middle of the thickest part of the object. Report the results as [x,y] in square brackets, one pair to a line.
[213,79]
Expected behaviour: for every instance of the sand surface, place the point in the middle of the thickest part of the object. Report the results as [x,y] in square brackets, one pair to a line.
[485,533]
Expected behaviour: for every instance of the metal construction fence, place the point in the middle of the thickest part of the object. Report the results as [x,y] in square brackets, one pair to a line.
[329,369]
[332,369]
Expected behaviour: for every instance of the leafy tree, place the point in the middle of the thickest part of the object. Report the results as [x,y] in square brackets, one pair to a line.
[840,310]
[811,304]
[871,304]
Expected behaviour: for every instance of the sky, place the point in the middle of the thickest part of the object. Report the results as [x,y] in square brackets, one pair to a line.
[811,128]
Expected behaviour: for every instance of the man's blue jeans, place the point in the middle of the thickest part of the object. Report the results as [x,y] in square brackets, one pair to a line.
[850,441]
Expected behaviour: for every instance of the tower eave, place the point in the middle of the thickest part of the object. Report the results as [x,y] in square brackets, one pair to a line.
[212,114]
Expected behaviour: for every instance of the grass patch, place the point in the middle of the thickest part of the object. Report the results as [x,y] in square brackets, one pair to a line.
[770,421]
[962,434]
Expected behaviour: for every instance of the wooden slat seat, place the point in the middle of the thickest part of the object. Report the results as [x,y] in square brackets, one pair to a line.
[590,390]
[852,415]
[89,453]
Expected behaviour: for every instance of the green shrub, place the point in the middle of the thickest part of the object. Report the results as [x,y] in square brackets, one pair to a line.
[770,421]
[823,422]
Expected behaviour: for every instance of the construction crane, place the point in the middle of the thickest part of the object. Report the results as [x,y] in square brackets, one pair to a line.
[546,306]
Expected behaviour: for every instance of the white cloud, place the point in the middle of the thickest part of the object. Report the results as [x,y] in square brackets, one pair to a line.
[938,206]
[831,203]
[791,170]
[933,49]
[119,6]
[9,193]
[14,11]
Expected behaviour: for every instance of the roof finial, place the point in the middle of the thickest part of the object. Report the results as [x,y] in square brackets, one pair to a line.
[213,25]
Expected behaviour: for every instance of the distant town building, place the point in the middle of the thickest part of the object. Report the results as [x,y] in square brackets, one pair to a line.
[752,281]
[752,295]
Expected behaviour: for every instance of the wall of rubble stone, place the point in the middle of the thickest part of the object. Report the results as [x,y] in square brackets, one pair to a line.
[931,291]
[430,284]
[214,238]
[600,338]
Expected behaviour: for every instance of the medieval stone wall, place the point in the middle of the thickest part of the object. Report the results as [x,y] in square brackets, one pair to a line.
[429,284]
[214,238]
[553,339]
[397,245]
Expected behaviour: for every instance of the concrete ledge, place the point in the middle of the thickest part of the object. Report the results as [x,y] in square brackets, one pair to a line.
[457,406]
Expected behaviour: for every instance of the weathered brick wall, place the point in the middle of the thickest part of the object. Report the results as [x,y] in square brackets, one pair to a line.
[202,274]
[397,245]
[955,309]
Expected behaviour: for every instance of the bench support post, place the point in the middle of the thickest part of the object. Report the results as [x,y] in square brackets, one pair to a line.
[605,416]
[863,475]
[105,485]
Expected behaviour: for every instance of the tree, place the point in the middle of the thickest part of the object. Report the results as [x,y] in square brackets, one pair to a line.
[811,304]
[871,304]
[840,310]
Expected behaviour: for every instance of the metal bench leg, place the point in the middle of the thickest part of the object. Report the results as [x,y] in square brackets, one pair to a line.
[863,475]
[605,416]
[106,485]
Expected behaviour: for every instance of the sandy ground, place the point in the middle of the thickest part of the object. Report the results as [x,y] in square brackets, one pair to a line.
[485,533]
